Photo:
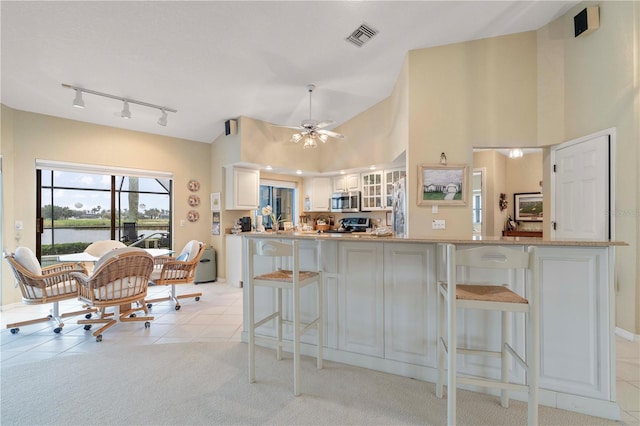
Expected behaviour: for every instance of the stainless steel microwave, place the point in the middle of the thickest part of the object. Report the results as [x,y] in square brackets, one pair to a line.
[345,201]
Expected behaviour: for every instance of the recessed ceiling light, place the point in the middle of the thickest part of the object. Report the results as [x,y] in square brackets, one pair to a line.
[298,172]
[269,168]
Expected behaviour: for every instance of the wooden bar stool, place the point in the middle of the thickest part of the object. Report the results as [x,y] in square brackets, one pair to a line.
[453,296]
[292,278]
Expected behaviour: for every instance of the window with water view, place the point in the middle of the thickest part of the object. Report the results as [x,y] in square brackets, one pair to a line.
[78,208]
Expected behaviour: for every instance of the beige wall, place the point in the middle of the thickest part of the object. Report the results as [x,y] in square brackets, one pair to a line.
[27,137]
[474,94]
[589,84]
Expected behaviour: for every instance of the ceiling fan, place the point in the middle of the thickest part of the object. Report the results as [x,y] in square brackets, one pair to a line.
[312,131]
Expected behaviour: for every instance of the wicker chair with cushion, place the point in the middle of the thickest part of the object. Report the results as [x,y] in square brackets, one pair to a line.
[39,285]
[102,247]
[119,280]
[177,270]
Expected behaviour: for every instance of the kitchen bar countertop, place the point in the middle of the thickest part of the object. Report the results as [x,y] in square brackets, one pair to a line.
[362,236]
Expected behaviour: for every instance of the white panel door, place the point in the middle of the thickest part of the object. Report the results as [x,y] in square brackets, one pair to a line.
[581,201]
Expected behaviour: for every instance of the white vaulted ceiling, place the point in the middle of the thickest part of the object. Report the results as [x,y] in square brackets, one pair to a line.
[215,60]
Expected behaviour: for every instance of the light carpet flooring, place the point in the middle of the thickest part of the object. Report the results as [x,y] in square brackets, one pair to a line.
[213,325]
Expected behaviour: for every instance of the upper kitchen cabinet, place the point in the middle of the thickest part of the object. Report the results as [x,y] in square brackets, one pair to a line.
[377,188]
[242,188]
[372,191]
[317,194]
[346,183]
[391,176]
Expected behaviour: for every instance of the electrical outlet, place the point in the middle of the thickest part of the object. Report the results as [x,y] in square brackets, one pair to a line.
[434,209]
[182,222]
[19,225]
[438,224]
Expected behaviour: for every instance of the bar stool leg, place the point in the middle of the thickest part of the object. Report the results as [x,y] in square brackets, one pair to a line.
[451,360]
[252,348]
[279,323]
[320,325]
[504,359]
[439,343]
[296,340]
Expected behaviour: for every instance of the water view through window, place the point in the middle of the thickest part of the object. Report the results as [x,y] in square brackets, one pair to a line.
[78,208]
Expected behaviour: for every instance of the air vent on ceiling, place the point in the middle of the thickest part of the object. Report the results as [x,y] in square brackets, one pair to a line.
[361,35]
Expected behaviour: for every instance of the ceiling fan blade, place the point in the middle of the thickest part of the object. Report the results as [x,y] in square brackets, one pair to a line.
[288,127]
[324,124]
[331,134]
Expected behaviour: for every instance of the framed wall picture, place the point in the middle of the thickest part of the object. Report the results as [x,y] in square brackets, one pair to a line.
[442,184]
[215,201]
[527,206]
[215,223]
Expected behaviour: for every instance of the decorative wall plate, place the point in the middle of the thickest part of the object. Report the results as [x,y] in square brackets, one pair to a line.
[194,200]
[194,185]
[193,216]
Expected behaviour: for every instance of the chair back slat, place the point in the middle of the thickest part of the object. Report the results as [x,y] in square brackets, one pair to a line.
[493,257]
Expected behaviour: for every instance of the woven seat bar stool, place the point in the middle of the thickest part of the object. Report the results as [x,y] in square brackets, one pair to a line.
[293,279]
[489,296]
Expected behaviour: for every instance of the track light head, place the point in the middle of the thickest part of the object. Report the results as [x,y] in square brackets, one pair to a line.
[126,113]
[78,102]
[163,119]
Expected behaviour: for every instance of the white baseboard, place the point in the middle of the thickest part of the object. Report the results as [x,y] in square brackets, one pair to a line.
[627,335]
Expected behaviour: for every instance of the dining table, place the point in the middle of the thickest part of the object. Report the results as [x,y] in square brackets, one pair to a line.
[86,257]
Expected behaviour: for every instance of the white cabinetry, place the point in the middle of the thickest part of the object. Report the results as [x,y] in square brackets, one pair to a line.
[345,183]
[317,192]
[377,188]
[372,191]
[391,176]
[242,188]
[360,296]
[409,303]
[233,260]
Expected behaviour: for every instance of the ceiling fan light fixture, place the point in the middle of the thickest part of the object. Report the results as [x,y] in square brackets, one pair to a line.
[78,102]
[310,142]
[323,138]
[296,137]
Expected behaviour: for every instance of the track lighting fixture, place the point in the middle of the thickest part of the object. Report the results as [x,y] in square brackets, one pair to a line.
[126,112]
[78,102]
[163,119]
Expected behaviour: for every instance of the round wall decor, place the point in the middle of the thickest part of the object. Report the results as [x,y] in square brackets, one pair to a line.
[194,200]
[193,216]
[194,185]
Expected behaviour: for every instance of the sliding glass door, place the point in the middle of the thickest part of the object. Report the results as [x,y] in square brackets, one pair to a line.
[75,209]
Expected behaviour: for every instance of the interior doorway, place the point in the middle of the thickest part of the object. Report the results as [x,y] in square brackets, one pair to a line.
[478,199]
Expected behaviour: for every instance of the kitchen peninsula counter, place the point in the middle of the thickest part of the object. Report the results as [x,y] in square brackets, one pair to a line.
[363,236]
[380,310]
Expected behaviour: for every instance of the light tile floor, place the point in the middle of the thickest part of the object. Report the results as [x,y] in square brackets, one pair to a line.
[216,317]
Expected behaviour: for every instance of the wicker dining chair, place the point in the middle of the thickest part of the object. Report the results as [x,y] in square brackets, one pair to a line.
[172,271]
[40,286]
[119,280]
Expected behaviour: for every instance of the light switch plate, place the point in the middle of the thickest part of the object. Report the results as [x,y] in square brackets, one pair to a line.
[438,224]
